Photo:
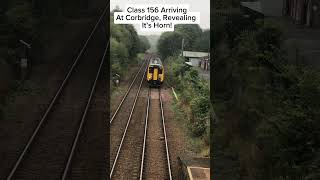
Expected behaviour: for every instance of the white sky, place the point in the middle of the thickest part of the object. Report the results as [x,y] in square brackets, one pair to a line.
[202,6]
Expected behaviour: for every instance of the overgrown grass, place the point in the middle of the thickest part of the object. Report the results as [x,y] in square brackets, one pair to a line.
[182,117]
[140,57]
[136,62]
[18,88]
[192,109]
[269,108]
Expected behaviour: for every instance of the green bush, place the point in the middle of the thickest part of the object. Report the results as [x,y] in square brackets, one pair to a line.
[22,21]
[116,69]
[169,44]
[193,91]
[269,103]
[174,69]
[200,106]
[125,45]
[199,127]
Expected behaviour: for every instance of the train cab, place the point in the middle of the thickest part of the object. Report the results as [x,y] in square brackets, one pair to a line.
[155,72]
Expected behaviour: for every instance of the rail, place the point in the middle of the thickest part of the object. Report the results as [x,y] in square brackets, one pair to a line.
[52,103]
[126,94]
[75,142]
[145,137]
[165,136]
[127,125]
[164,133]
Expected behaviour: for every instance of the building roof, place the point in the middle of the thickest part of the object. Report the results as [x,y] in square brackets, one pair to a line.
[265,7]
[256,6]
[195,54]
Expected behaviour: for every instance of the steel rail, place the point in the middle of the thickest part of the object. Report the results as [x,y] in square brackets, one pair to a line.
[35,132]
[165,136]
[145,136]
[125,96]
[125,131]
[76,139]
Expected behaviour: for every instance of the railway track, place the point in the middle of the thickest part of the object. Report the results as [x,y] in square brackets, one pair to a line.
[124,98]
[49,151]
[127,113]
[131,148]
[155,158]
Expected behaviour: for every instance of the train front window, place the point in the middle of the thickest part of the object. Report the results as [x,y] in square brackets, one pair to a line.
[160,71]
[151,69]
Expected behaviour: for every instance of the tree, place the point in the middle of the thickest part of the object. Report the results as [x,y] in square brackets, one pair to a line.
[119,56]
[127,35]
[190,33]
[21,21]
[125,45]
[269,35]
[144,43]
[202,43]
[169,44]
[134,40]
[269,104]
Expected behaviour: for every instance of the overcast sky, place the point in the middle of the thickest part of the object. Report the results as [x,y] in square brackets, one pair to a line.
[202,6]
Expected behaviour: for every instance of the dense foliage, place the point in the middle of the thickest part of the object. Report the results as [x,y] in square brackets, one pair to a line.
[125,45]
[189,32]
[202,43]
[190,36]
[144,43]
[169,44]
[30,20]
[268,108]
[27,20]
[193,92]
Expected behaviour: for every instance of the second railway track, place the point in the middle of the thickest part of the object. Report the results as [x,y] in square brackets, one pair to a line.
[48,149]
[122,122]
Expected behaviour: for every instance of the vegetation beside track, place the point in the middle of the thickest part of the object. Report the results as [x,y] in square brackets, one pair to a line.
[267,105]
[126,50]
[43,25]
[194,39]
[126,44]
[192,108]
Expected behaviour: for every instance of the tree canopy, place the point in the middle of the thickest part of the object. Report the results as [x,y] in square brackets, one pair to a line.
[169,44]
[202,43]
[144,43]
[267,105]
[189,32]
[125,45]
[190,36]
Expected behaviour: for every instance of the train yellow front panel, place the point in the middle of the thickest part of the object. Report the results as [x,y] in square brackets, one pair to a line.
[149,74]
[155,74]
[162,75]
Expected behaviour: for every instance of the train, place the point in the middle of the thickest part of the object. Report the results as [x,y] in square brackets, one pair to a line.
[155,72]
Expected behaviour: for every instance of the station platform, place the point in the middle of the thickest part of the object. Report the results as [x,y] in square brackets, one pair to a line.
[194,168]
